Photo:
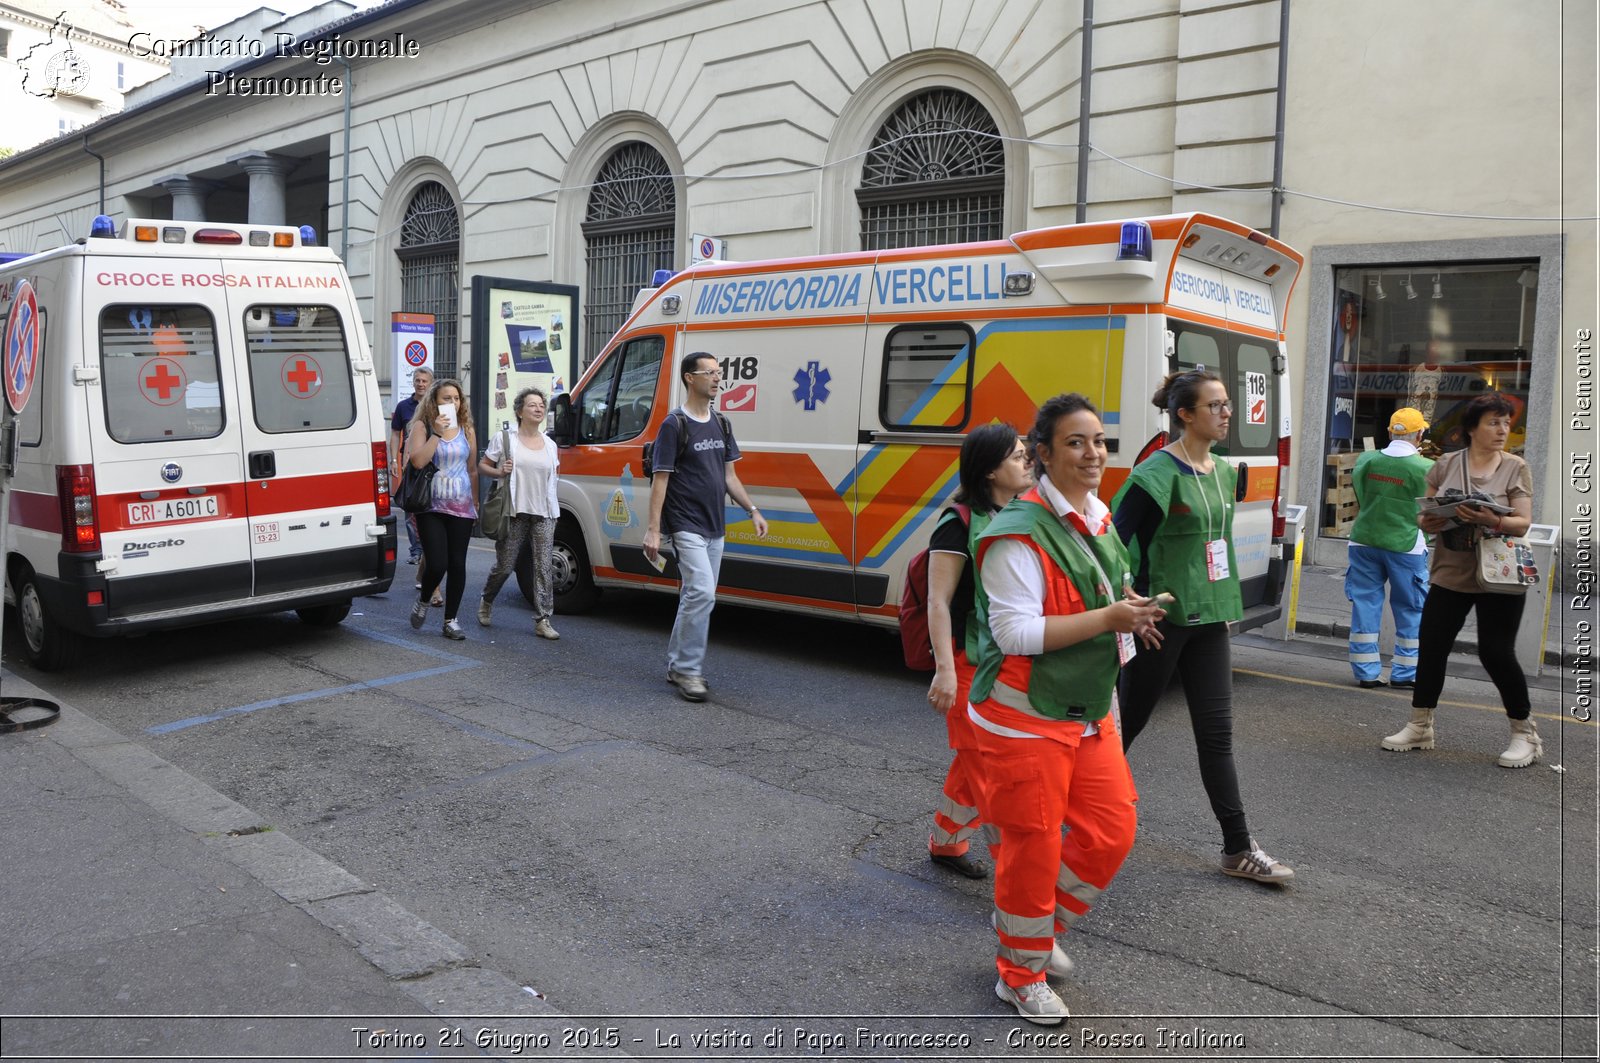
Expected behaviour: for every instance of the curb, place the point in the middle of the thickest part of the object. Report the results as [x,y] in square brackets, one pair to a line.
[1332,629]
[422,961]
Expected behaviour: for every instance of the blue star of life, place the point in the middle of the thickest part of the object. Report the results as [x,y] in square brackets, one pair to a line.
[811,385]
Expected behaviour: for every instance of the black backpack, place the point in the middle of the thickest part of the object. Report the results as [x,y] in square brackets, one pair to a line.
[683,439]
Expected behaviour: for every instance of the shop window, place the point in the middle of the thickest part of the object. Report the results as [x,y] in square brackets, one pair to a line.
[1430,336]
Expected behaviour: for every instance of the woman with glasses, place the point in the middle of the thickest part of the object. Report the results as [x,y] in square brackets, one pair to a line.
[1175,513]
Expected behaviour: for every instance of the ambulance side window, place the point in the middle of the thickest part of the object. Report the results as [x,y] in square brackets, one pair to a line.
[299,368]
[159,364]
[927,378]
[617,403]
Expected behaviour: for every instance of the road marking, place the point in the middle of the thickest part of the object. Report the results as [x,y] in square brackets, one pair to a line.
[454,663]
[1559,718]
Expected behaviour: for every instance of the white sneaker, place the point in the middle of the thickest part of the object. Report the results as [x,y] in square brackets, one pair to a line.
[1256,865]
[545,630]
[1036,1002]
[1059,964]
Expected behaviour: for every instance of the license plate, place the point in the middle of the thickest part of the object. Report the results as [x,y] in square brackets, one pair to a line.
[191,507]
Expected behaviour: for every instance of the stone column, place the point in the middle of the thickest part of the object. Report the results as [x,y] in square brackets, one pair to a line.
[267,185]
[188,196]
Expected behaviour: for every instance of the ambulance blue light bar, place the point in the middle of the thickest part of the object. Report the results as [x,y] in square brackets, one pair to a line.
[102,226]
[1136,242]
[660,277]
[308,236]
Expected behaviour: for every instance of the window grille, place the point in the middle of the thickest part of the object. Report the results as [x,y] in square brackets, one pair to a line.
[430,268]
[934,174]
[630,231]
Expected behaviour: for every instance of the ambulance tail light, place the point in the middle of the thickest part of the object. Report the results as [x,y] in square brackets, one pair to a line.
[217,236]
[146,234]
[1157,441]
[80,525]
[380,479]
[1279,523]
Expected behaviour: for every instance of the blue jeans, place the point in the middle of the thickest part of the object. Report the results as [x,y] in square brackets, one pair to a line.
[699,562]
[1407,576]
[413,536]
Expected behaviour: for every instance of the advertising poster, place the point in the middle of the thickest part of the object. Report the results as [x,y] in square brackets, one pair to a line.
[523,336]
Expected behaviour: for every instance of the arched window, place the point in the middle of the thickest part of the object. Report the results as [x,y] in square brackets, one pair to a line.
[935,174]
[629,234]
[430,268]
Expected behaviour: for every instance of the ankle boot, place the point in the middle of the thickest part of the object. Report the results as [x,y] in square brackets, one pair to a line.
[1418,734]
[1525,747]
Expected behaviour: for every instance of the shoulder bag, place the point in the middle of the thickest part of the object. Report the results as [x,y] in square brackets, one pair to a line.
[495,517]
[1505,563]
[416,485]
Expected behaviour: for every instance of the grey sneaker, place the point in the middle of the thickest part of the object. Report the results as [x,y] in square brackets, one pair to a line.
[1256,865]
[545,630]
[419,614]
[1036,1002]
[452,630]
[485,611]
[690,687]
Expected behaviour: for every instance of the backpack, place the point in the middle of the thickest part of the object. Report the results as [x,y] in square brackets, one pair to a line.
[683,439]
[915,642]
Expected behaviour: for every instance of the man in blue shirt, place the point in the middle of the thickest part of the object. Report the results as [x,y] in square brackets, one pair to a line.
[686,501]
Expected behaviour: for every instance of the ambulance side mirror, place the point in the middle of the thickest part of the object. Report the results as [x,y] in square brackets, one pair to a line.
[1242,486]
[562,421]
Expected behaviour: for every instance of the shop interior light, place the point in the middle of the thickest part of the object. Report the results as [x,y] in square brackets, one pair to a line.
[1382,295]
[1438,289]
[1411,293]
[1528,279]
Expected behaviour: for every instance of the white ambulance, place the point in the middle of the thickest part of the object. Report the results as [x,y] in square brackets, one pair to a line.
[850,380]
[203,439]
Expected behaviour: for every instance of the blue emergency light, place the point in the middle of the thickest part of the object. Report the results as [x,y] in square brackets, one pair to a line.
[660,277]
[1136,241]
[102,226]
[308,236]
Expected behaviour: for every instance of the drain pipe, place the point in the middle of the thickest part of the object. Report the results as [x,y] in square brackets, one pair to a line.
[344,166]
[1083,110]
[1277,139]
[102,159]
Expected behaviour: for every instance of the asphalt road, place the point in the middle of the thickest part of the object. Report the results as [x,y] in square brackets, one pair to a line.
[555,807]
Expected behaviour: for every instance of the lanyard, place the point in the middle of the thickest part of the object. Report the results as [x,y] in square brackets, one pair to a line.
[1222,500]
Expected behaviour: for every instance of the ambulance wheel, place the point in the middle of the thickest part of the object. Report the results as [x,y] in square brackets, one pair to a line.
[575,591]
[49,646]
[324,615]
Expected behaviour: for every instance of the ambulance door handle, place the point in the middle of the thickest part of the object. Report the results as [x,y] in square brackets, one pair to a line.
[263,465]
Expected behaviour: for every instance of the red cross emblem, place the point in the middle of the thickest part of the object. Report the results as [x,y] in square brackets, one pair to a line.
[302,376]
[163,382]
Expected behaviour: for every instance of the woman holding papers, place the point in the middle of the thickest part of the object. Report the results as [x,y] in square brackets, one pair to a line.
[1485,468]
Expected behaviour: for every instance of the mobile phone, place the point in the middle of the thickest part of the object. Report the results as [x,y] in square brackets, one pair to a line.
[1163,600]
[447,413]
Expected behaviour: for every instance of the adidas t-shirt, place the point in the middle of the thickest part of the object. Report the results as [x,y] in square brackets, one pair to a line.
[699,481]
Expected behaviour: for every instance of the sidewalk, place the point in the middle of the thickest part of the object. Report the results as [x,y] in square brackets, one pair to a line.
[143,908]
[1323,610]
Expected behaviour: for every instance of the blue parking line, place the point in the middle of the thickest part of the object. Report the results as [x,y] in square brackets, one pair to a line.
[454,662]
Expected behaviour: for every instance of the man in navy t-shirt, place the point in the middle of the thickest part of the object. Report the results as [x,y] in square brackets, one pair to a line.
[686,501]
[421,381]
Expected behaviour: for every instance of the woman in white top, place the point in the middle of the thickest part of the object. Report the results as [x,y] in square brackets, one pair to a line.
[531,465]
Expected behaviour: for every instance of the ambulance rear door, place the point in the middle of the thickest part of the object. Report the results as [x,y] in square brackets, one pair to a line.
[307,433]
[164,429]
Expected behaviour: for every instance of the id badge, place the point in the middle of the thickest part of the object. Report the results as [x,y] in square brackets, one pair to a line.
[1217,560]
[1126,648]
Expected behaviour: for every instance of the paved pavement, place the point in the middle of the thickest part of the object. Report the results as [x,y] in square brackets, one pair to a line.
[142,905]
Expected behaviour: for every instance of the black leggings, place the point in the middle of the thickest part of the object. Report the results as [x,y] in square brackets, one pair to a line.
[1499,615]
[444,553]
[1203,656]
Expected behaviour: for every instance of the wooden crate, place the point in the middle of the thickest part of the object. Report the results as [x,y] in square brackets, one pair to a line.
[1340,495]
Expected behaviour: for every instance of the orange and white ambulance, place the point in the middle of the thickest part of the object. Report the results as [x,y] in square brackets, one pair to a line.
[850,380]
[203,440]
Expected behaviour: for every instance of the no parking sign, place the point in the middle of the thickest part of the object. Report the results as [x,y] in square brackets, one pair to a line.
[21,347]
[413,348]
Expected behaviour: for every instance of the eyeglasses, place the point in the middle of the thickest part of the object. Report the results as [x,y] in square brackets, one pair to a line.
[1218,407]
[705,372]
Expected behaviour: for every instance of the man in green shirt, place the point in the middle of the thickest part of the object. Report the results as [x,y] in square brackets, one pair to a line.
[1385,545]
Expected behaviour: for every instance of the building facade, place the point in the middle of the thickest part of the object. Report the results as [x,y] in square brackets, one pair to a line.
[583,143]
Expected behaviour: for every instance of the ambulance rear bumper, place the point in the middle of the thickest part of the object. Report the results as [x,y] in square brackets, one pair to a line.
[179,600]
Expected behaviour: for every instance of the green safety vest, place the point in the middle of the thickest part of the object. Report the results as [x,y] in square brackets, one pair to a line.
[1196,509]
[1077,681]
[1387,488]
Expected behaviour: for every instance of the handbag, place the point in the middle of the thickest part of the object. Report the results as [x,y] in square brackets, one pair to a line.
[494,518]
[415,494]
[1504,563]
